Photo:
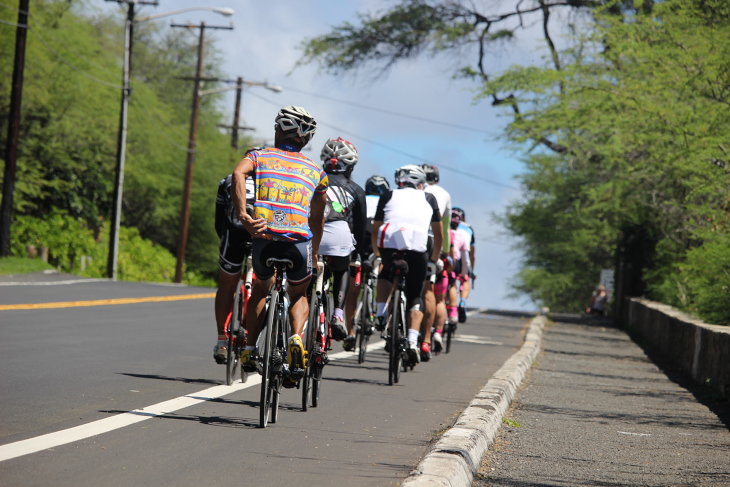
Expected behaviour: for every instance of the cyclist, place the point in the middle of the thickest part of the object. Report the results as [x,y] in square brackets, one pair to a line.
[233,238]
[460,263]
[402,221]
[375,186]
[344,228]
[288,223]
[468,232]
[434,294]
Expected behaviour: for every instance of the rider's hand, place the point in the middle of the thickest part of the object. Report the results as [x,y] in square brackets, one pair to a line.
[371,259]
[439,266]
[255,228]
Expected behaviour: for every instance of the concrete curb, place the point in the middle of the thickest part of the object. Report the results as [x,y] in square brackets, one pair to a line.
[454,460]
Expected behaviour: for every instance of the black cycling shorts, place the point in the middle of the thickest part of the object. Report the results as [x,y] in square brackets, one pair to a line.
[232,250]
[416,277]
[300,253]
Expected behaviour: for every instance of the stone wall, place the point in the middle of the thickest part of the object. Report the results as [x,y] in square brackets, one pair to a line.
[700,349]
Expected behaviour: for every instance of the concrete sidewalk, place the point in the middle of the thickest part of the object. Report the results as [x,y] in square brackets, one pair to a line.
[595,410]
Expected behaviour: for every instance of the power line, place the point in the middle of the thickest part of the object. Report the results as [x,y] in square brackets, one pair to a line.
[49,31]
[72,66]
[398,151]
[141,106]
[388,112]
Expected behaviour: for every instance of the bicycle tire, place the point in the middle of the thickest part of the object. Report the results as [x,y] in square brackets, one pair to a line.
[234,342]
[265,368]
[447,347]
[396,354]
[364,322]
[309,347]
[280,347]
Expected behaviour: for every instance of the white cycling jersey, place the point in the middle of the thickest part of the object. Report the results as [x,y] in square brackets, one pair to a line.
[407,214]
[442,197]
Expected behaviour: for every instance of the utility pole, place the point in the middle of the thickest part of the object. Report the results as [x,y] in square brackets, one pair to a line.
[11,149]
[236,116]
[116,217]
[188,186]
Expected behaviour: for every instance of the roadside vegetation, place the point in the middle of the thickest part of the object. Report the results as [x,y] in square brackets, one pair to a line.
[21,265]
[68,143]
[623,131]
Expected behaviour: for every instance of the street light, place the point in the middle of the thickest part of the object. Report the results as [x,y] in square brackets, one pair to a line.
[122,138]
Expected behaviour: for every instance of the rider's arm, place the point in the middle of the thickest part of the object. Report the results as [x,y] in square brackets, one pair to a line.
[220,209]
[436,228]
[359,217]
[316,220]
[445,222]
[244,169]
[438,236]
[378,221]
[374,237]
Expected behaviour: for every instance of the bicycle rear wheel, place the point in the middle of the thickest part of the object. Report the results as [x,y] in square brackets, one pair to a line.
[269,337]
[364,324]
[396,354]
[279,352]
[309,336]
[447,347]
[234,339]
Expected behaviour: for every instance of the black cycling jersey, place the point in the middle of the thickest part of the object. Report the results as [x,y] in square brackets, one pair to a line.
[224,209]
[346,202]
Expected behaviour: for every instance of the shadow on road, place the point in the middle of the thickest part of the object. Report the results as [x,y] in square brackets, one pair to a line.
[186,380]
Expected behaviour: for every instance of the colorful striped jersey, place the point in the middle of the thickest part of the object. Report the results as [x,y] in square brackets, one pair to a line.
[285,184]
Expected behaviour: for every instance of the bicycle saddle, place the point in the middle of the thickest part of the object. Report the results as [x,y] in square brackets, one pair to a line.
[401,265]
[273,261]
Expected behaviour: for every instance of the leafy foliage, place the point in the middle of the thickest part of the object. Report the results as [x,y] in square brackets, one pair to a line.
[623,133]
[69,128]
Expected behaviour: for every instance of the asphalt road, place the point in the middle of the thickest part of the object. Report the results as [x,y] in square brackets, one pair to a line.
[595,410]
[66,367]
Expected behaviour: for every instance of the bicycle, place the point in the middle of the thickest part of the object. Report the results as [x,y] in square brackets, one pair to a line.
[273,363]
[365,313]
[317,336]
[397,324]
[234,323]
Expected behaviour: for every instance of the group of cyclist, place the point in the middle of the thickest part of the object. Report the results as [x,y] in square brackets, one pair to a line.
[278,203]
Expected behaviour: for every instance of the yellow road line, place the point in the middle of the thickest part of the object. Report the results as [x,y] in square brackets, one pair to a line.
[106,302]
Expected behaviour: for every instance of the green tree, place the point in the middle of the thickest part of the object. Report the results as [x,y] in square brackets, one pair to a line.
[623,133]
[70,121]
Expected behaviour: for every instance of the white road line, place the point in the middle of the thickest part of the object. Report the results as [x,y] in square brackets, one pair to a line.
[53,283]
[95,428]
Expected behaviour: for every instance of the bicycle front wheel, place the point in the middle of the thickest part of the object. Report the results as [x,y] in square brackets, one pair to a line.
[269,338]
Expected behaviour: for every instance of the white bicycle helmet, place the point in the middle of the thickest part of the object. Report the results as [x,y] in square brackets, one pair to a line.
[338,155]
[410,175]
[296,123]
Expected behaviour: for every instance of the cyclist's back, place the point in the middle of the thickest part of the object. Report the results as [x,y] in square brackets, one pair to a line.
[402,223]
[344,227]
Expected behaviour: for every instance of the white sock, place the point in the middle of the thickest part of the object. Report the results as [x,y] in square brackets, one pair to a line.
[381,309]
[413,337]
[294,336]
[250,348]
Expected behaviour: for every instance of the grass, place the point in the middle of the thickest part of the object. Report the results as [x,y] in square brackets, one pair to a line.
[511,422]
[21,265]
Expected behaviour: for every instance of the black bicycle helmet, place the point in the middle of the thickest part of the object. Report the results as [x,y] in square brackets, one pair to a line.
[376,185]
[432,173]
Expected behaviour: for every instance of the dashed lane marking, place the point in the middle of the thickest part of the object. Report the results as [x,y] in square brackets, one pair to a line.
[106,302]
[78,433]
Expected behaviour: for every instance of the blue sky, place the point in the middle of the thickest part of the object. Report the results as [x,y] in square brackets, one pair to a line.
[265,46]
